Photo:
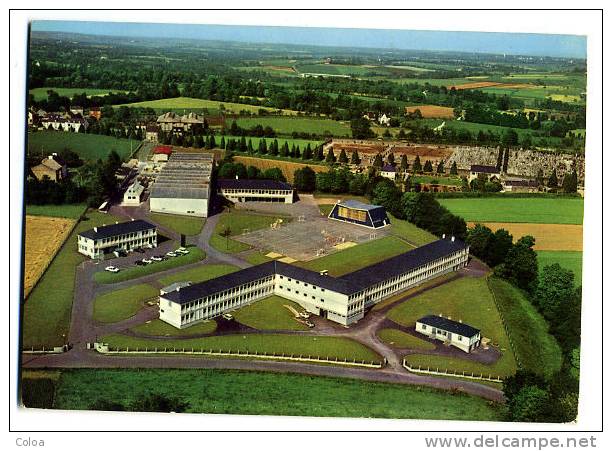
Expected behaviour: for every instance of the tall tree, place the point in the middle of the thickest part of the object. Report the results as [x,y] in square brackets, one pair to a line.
[342,158]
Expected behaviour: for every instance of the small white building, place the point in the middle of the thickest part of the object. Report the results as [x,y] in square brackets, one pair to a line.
[455,333]
[58,122]
[99,241]
[489,171]
[388,171]
[248,190]
[384,120]
[133,195]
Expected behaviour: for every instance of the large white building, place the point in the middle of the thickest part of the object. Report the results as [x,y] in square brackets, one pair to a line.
[340,299]
[99,241]
[254,190]
[183,185]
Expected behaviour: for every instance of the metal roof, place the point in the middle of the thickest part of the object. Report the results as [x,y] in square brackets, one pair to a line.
[356,205]
[252,184]
[449,325]
[121,228]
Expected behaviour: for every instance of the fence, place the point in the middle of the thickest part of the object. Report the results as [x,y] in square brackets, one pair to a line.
[106,349]
[446,372]
[43,350]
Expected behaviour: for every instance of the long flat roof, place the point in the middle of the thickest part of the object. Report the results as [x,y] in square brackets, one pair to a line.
[252,184]
[121,228]
[449,325]
[357,205]
[348,284]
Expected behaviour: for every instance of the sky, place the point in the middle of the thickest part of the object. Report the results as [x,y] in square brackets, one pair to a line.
[510,43]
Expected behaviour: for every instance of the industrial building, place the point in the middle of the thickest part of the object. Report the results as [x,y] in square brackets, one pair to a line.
[247,190]
[183,185]
[355,212]
[340,299]
[454,333]
[99,241]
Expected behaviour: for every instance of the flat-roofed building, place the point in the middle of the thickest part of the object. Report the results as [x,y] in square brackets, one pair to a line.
[247,190]
[455,333]
[355,212]
[99,241]
[183,185]
[340,299]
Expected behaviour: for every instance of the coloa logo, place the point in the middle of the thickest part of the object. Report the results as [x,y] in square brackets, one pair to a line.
[28,441]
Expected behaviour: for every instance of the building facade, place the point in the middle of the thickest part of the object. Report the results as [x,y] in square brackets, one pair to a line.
[388,171]
[133,195]
[53,167]
[455,333]
[99,241]
[355,212]
[173,123]
[246,190]
[340,299]
[488,171]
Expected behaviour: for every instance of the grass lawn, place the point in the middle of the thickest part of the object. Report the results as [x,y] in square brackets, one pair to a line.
[237,221]
[541,211]
[259,393]
[400,339]
[189,103]
[536,349]
[256,258]
[198,274]
[269,314]
[89,147]
[286,125]
[121,304]
[392,299]
[567,259]
[331,347]
[302,143]
[440,363]
[195,255]
[70,211]
[41,93]
[47,308]
[467,299]
[180,224]
[453,181]
[157,327]
[411,233]
[358,256]
[326,208]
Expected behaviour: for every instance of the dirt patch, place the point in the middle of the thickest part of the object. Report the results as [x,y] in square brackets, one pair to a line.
[280,68]
[432,111]
[491,84]
[43,237]
[549,237]
[288,167]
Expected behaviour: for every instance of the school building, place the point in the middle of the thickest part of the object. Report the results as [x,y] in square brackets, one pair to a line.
[99,241]
[248,190]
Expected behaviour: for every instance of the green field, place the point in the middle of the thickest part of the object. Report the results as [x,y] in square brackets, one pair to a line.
[399,339]
[195,255]
[452,181]
[287,125]
[302,143]
[198,274]
[89,147]
[441,363]
[180,224]
[121,304]
[256,258]
[331,347]
[545,210]
[41,93]
[409,232]
[70,211]
[47,309]
[571,260]
[358,256]
[189,103]
[237,222]
[255,393]
[467,299]
[159,328]
[535,348]
[270,314]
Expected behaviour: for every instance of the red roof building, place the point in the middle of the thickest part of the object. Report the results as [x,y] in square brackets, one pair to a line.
[166,150]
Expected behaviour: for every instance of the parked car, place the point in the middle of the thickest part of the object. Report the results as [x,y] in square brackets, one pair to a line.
[181,250]
[228,316]
[120,253]
[146,261]
[171,254]
[139,263]
[139,250]
[310,324]
[155,258]
[111,269]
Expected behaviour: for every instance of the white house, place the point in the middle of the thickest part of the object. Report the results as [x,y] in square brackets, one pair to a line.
[488,171]
[384,120]
[56,121]
[455,333]
[133,195]
[339,299]
[99,241]
[388,171]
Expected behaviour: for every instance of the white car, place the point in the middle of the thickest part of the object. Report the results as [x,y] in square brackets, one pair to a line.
[111,269]
[228,316]
[181,250]
[171,254]
[147,261]
[156,259]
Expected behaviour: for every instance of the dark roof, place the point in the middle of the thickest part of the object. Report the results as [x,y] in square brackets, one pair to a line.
[388,168]
[347,284]
[533,183]
[402,263]
[117,229]
[449,325]
[252,184]
[484,169]
[358,205]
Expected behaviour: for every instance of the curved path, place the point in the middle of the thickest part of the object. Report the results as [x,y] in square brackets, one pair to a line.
[84,329]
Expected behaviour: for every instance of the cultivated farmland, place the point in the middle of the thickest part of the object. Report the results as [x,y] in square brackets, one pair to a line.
[549,237]
[43,237]
[189,103]
[432,111]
